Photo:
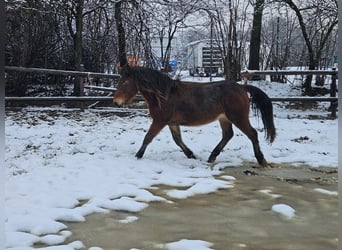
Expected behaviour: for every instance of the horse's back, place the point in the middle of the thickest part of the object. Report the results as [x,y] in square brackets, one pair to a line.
[200,104]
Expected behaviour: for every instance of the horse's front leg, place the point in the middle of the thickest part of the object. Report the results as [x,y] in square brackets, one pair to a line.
[176,135]
[227,134]
[154,129]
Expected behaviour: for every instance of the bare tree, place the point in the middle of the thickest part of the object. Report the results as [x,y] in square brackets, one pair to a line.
[138,25]
[75,11]
[121,34]
[317,20]
[99,40]
[231,25]
[68,33]
[254,52]
[279,40]
[238,28]
[32,40]
[171,17]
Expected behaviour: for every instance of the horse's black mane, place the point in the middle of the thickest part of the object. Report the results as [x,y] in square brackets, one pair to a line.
[151,80]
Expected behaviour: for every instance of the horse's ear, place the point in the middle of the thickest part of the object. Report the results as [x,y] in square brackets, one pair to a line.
[124,70]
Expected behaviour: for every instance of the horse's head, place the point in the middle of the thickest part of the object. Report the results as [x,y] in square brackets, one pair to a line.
[126,88]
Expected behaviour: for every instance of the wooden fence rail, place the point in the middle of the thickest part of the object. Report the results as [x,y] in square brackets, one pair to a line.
[333,85]
[290,72]
[333,73]
[61,72]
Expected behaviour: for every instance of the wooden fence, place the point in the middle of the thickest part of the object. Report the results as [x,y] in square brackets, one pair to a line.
[60,72]
[80,100]
[246,75]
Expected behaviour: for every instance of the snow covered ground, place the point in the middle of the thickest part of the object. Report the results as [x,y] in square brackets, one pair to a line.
[62,165]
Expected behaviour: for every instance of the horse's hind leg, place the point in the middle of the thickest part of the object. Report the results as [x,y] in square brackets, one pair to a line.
[176,135]
[252,134]
[227,134]
[154,129]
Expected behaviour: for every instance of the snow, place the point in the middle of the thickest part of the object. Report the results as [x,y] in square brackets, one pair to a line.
[284,209]
[203,186]
[62,165]
[324,191]
[186,244]
[269,192]
[129,219]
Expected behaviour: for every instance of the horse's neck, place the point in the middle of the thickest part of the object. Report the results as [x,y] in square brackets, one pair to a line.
[152,99]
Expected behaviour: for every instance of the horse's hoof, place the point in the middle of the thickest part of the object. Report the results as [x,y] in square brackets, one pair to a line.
[265,164]
[139,155]
[190,155]
[211,159]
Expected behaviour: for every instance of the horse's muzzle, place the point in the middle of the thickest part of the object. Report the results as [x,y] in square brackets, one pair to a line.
[119,101]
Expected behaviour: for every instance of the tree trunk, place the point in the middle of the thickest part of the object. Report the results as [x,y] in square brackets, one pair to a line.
[78,46]
[121,35]
[307,89]
[254,52]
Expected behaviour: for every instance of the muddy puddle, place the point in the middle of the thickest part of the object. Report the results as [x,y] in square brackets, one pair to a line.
[236,218]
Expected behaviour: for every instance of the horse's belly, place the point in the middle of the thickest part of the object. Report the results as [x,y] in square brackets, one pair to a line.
[201,119]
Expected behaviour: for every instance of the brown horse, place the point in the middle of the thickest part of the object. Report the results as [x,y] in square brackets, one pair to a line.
[174,103]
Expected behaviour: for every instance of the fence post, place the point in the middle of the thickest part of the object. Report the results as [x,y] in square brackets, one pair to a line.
[333,104]
[245,76]
[80,87]
[79,83]
[82,81]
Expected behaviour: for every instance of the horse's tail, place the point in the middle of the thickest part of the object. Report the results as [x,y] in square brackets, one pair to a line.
[262,103]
